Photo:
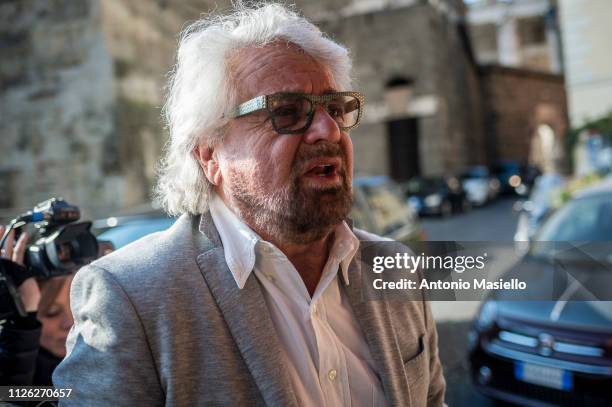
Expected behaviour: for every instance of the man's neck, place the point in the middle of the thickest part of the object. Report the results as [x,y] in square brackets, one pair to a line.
[308,259]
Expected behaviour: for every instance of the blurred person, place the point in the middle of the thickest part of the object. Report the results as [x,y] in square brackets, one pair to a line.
[31,347]
[254,296]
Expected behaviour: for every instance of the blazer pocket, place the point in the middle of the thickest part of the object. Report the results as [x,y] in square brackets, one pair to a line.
[412,360]
[417,372]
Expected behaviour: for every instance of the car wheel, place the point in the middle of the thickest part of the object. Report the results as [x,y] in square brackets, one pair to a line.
[446,209]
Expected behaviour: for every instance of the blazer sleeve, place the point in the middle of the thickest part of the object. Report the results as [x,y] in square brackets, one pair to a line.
[109,361]
[437,384]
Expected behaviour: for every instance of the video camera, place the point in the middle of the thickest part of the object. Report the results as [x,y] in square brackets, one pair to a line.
[62,246]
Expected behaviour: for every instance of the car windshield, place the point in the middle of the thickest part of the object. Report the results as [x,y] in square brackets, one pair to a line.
[424,186]
[580,221]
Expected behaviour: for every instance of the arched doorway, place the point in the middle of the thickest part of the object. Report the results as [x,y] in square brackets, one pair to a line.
[543,151]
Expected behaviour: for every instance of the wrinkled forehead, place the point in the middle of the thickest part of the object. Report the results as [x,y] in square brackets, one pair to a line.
[277,67]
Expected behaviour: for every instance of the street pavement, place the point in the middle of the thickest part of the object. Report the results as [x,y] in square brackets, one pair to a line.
[493,222]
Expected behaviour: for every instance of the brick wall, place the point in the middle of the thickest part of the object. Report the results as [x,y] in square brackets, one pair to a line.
[516,102]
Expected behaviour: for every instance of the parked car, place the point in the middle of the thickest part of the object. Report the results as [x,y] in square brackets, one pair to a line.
[379,208]
[436,196]
[554,352]
[515,177]
[479,185]
[532,212]
[123,230]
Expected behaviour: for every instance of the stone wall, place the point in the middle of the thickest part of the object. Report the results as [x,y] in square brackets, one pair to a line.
[56,105]
[424,45]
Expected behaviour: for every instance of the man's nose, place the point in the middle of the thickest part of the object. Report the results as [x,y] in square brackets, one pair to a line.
[323,127]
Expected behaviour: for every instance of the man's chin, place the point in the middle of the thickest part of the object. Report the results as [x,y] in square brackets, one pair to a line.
[324,209]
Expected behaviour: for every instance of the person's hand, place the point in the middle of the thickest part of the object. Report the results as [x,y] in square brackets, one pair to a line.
[15,251]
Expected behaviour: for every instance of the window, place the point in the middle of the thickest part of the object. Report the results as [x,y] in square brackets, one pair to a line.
[532,30]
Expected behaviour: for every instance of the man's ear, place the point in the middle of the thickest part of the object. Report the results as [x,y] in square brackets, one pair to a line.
[206,158]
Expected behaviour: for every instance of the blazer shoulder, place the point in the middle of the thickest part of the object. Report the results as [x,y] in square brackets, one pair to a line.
[152,256]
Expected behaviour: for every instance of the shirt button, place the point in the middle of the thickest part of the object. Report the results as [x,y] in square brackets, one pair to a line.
[331,375]
[314,309]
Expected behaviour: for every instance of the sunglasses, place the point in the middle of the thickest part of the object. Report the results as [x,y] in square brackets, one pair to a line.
[292,113]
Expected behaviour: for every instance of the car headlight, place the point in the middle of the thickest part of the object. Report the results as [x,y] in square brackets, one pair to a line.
[514,181]
[433,200]
[487,315]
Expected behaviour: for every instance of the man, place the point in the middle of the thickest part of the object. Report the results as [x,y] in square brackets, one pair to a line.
[254,296]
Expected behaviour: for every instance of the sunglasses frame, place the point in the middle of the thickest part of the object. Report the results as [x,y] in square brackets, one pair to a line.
[265,101]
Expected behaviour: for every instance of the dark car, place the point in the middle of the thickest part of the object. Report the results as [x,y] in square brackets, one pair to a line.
[436,196]
[378,208]
[515,177]
[556,352]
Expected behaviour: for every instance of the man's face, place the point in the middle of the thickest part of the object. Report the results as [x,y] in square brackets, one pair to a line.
[293,187]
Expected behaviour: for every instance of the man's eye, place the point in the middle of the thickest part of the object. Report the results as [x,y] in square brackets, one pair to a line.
[285,111]
[335,111]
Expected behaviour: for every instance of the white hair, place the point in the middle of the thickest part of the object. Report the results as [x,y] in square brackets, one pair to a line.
[200,91]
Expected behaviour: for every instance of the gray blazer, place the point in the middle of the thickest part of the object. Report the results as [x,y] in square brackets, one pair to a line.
[162,322]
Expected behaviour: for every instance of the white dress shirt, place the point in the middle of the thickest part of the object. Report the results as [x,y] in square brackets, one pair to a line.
[325,352]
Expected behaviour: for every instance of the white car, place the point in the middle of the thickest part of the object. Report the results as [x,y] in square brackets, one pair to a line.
[479,185]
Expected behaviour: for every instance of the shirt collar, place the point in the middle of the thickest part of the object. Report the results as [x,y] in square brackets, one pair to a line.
[240,242]
[344,248]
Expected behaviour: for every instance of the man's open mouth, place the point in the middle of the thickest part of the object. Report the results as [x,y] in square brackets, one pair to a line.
[325,167]
[323,170]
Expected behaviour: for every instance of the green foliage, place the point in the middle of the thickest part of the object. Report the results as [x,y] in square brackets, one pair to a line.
[566,193]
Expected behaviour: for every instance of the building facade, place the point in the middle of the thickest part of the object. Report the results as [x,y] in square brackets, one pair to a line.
[82,87]
[587,31]
[413,62]
[517,33]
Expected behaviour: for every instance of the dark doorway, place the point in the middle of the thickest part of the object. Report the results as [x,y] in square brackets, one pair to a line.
[404,148]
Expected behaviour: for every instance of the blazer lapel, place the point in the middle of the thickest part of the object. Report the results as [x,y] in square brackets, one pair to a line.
[248,319]
[373,317]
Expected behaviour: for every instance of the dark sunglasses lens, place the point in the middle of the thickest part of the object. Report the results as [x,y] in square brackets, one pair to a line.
[290,112]
[344,110]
